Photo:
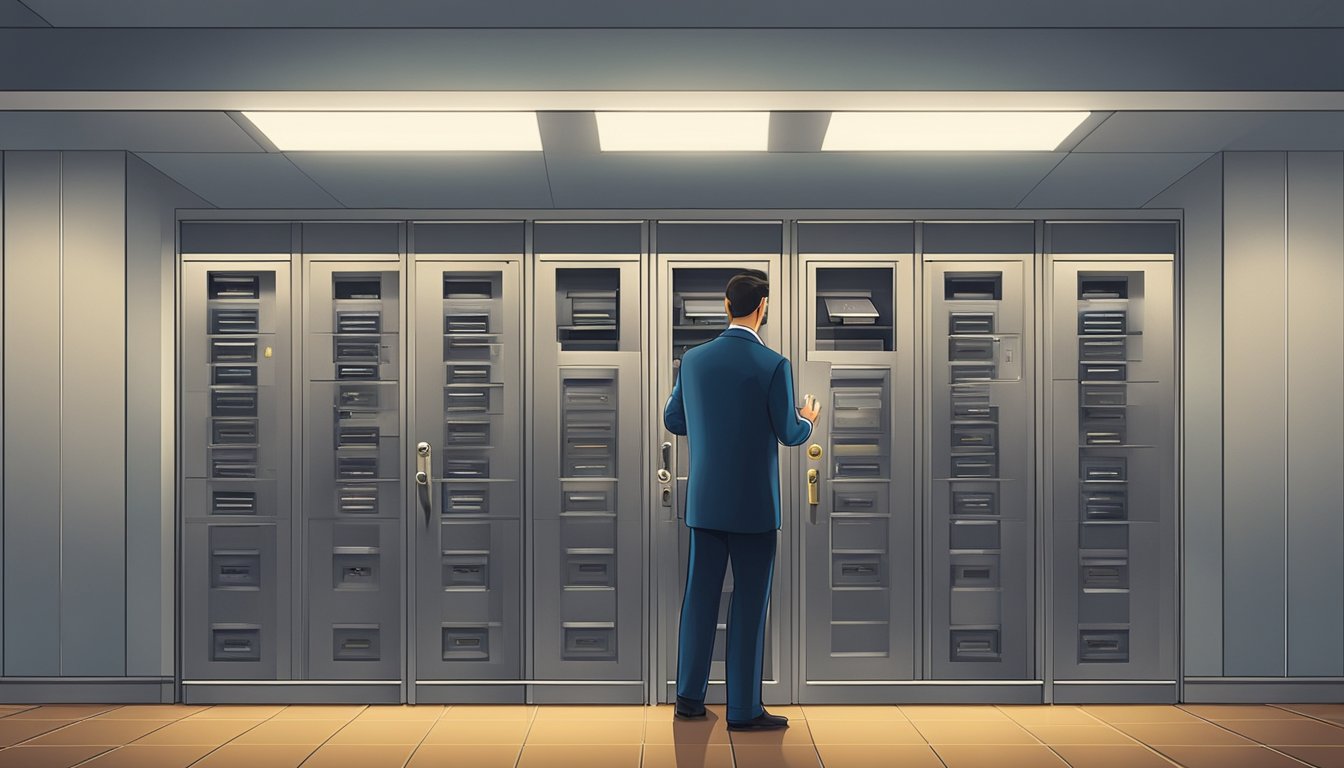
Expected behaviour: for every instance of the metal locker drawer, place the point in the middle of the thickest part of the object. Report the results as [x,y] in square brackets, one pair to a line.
[590,567]
[970,323]
[1103,436]
[466,643]
[1099,287]
[469,433]
[356,642]
[588,394]
[466,570]
[1104,536]
[233,350]
[858,570]
[1097,607]
[469,400]
[235,642]
[859,497]
[233,463]
[355,568]
[970,349]
[458,289]
[356,467]
[1109,395]
[1103,573]
[225,285]
[459,467]
[971,372]
[476,349]
[975,436]
[233,502]
[973,287]
[973,534]
[363,321]
[858,459]
[975,503]
[235,569]
[226,403]
[1103,645]
[975,607]
[587,533]
[465,535]
[1101,322]
[466,499]
[467,320]
[1101,349]
[858,532]
[233,432]
[975,571]
[1113,371]
[589,308]
[593,500]
[233,375]
[1102,469]
[860,605]
[588,641]
[975,465]
[974,644]
[229,320]
[362,498]
[865,638]
[468,373]
[1104,504]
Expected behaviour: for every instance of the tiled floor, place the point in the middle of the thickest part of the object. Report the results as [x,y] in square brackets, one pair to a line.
[173,736]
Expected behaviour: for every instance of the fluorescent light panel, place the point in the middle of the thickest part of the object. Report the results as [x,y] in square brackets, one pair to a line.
[683,131]
[399,131]
[950,131]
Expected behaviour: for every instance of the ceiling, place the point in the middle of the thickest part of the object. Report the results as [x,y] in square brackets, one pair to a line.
[678,14]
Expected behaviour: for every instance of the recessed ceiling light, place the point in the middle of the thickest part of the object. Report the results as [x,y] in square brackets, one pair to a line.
[950,131]
[683,131]
[399,131]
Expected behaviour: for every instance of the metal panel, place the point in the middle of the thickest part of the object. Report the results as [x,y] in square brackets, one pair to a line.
[32,400]
[980,519]
[857,572]
[1255,428]
[1315,414]
[466,524]
[352,449]
[1112,455]
[678,276]
[586,475]
[235,440]
[93,416]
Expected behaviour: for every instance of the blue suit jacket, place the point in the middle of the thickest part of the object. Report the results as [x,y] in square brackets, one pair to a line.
[734,402]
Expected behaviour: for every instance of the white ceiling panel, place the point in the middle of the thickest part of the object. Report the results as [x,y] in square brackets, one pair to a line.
[430,180]
[782,180]
[688,13]
[134,131]
[1119,180]
[242,180]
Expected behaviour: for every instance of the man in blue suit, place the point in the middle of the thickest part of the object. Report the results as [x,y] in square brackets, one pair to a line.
[734,402]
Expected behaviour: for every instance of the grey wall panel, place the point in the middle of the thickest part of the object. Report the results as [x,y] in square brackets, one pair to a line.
[150,403]
[231,237]
[1255,422]
[32,557]
[351,237]
[93,415]
[1201,195]
[1315,413]
[2,410]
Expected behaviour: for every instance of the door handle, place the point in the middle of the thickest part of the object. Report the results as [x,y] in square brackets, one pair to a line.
[424,466]
[813,494]
[665,468]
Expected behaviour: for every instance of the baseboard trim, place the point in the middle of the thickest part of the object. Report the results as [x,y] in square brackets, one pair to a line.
[87,690]
[1114,693]
[1274,691]
[292,693]
[944,692]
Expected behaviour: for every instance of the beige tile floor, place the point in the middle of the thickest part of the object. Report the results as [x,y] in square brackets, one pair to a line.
[1113,736]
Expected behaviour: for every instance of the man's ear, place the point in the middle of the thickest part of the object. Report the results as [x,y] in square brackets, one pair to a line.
[727,308]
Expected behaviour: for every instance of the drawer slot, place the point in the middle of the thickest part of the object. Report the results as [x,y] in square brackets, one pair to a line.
[1103,469]
[233,502]
[975,465]
[1101,349]
[1101,372]
[584,641]
[466,501]
[466,571]
[230,351]
[357,499]
[232,320]
[973,287]
[1101,323]
[1103,645]
[236,643]
[357,371]
[970,349]
[971,372]
[466,643]
[348,351]
[227,286]
[233,432]
[355,643]
[975,503]
[234,375]
[975,644]
[467,322]
[1104,505]
[971,323]
[235,569]
[365,323]
[356,467]
[356,288]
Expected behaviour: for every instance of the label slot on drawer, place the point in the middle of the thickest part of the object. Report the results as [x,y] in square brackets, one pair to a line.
[589,640]
[466,571]
[226,286]
[975,503]
[974,644]
[466,643]
[971,372]
[356,371]
[592,308]
[230,403]
[230,351]
[1101,645]
[589,393]
[356,467]
[1103,395]
[355,643]
[1104,505]
[234,375]
[1102,288]
[233,502]
[359,396]
[455,468]
[1101,349]
[467,400]
[236,643]
[590,501]
[970,349]
[469,374]
[978,574]
[590,568]
[233,463]
[1103,469]
[354,568]
[235,569]
[1101,371]
[466,322]
[1104,574]
[974,436]
[975,465]
[359,322]
[466,433]
[356,288]
[1101,323]
[233,432]
[357,437]
[458,289]
[224,321]
[855,570]
[968,287]
[971,323]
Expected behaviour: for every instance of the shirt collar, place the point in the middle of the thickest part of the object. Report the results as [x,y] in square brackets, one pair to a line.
[755,335]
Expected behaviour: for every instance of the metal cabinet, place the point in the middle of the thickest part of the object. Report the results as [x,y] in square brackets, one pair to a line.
[978,373]
[687,303]
[466,522]
[857,570]
[1112,497]
[352,445]
[586,585]
[236,476]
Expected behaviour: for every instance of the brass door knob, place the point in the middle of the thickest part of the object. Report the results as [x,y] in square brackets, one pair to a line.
[814,451]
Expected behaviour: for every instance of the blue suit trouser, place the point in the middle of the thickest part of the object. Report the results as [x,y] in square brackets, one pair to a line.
[753,557]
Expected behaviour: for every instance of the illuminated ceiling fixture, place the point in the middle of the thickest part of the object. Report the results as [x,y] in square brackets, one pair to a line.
[949,131]
[400,131]
[683,131]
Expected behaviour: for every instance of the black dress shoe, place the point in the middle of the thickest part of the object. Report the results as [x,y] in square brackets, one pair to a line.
[689,709]
[764,722]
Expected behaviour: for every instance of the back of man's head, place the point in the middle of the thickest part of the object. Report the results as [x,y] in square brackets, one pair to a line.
[745,291]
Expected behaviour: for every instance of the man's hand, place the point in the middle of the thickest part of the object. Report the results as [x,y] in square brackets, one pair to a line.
[811,409]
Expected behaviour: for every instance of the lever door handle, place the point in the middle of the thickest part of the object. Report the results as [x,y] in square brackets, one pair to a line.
[665,468]
[813,494]
[424,466]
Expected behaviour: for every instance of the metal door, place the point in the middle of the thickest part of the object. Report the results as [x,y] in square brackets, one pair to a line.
[688,307]
[857,572]
[465,451]
[978,355]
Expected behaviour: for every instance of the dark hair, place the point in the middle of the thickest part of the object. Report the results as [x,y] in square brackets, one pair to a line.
[745,291]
